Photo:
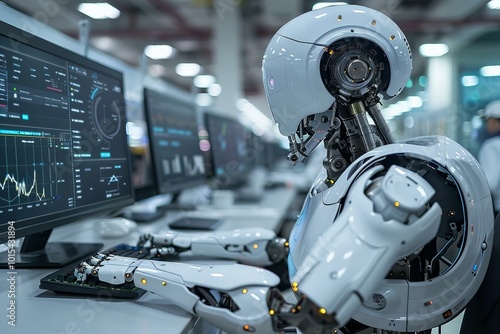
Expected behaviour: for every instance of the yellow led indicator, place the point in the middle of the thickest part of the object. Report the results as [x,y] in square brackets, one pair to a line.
[322,311]
[271,312]
[143,281]
[396,204]
[286,244]
[164,283]
[255,246]
[244,290]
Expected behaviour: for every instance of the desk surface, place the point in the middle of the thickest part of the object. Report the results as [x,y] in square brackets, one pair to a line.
[39,311]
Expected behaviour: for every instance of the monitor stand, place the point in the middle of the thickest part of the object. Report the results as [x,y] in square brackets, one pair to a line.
[37,252]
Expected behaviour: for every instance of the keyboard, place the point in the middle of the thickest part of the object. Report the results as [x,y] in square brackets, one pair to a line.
[64,282]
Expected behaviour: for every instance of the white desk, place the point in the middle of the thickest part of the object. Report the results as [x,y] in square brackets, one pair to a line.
[43,312]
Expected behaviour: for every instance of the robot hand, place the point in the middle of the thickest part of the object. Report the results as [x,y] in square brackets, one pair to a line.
[253,246]
[233,297]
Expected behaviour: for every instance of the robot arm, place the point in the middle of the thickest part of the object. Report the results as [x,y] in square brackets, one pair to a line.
[232,297]
[252,246]
[340,272]
[355,254]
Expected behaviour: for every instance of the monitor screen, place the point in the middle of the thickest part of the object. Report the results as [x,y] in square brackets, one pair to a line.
[231,158]
[143,176]
[175,144]
[273,154]
[63,145]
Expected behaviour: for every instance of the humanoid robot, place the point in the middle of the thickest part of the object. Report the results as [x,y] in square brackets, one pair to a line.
[395,236]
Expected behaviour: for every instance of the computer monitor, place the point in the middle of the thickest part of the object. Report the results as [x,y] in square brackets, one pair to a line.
[143,176]
[175,144]
[274,153]
[63,146]
[230,158]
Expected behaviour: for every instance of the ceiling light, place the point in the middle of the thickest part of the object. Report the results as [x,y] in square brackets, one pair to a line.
[403,106]
[320,5]
[470,80]
[99,11]
[188,69]
[203,80]
[159,51]
[214,89]
[104,43]
[493,4]
[490,71]
[433,50]
[415,101]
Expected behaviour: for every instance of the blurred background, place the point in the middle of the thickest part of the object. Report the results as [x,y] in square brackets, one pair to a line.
[213,49]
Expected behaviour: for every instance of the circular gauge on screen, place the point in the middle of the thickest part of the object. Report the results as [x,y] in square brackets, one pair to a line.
[106,114]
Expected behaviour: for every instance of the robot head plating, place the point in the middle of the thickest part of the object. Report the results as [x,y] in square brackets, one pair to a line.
[338,54]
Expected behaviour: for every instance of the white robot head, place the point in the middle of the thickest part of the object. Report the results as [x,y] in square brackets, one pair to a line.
[338,54]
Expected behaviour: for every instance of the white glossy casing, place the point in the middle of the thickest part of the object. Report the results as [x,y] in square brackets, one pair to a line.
[291,71]
[246,245]
[247,286]
[407,303]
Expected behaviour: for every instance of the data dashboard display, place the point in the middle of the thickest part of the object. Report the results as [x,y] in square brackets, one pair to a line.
[174,140]
[231,154]
[63,146]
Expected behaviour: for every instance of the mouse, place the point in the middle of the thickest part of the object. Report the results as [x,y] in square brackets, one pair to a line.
[115,227]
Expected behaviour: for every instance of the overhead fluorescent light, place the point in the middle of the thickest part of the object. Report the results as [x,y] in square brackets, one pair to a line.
[490,71]
[160,51]
[470,80]
[203,80]
[493,4]
[320,5]
[433,50]
[403,106]
[188,69]
[414,101]
[99,10]
[214,89]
